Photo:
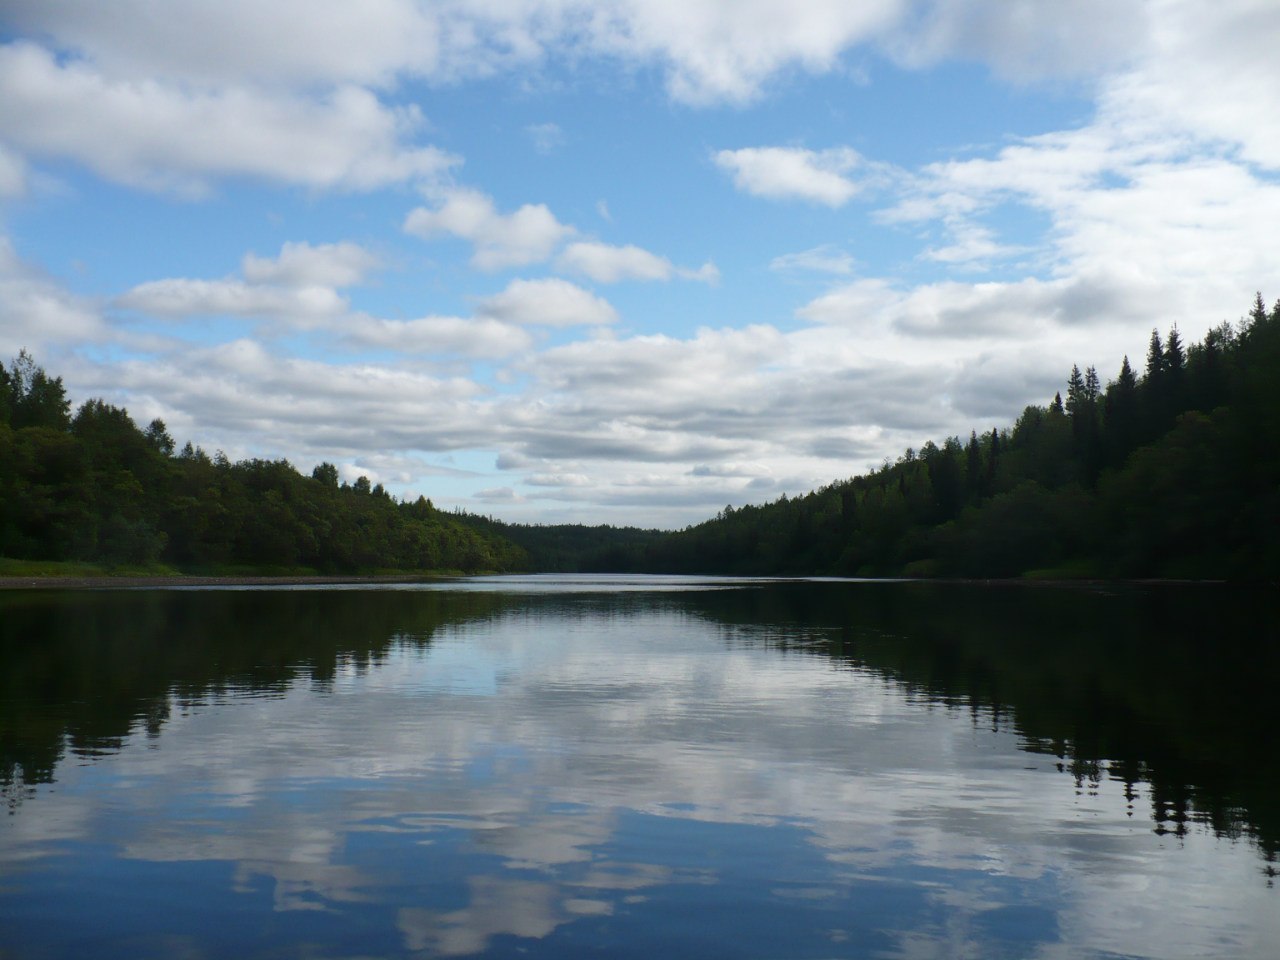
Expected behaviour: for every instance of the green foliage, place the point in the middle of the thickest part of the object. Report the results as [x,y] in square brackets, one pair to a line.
[96,488]
[1172,474]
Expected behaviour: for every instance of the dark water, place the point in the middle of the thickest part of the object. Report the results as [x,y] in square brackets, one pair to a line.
[640,768]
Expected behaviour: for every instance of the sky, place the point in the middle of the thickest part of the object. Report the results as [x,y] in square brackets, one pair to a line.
[622,261]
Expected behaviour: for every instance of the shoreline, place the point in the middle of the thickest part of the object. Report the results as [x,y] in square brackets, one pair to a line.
[127,582]
[181,580]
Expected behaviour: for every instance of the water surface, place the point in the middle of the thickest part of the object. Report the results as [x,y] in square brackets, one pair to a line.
[639,767]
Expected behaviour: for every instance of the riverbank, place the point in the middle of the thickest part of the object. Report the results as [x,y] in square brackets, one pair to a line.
[101,582]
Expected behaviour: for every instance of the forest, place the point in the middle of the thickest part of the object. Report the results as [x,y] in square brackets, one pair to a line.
[96,487]
[1171,470]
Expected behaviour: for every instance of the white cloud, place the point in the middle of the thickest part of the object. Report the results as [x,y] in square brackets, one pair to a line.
[716,51]
[549,303]
[298,290]
[605,263]
[38,314]
[792,173]
[710,50]
[498,495]
[479,337]
[300,283]
[558,480]
[824,259]
[1205,70]
[971,244]
[1025,39]
[291,42]
[243,398]
[303,265]
[160,136]
[529,235]
[1160,207]
[13,174]
[182,297]
[967,310]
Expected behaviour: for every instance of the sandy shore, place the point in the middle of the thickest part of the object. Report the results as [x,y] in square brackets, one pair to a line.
[101,583]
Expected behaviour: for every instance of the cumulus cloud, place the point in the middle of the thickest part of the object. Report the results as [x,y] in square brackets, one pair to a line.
[477,337]
[605,263]
[709,50]
[1159,205]
[182,297]
[547,303]
[300,283]
[792,173]
[13,174]
[498,495]
[299,289]
[303,265]
[510,460]
[160,136]
[609,264]
[529,235]
[38,313]
[961,310]
[1204,70]
[246,398]
[1024,39]
[288,42]
[717,51]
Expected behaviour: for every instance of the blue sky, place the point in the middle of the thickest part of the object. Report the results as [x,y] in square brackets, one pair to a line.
[621,261]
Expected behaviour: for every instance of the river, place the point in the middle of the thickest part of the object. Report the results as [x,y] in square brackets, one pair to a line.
[640,767]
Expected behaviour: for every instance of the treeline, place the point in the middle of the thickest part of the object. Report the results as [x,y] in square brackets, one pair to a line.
[1171,471]
[573,547]
[95,487]
[1168,471]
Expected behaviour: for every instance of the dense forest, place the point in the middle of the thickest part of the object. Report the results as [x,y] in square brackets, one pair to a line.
[96,487]
[1172,470]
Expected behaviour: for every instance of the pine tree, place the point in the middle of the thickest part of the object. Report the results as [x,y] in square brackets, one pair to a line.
[1155,360]
[1258,315]
[973,467]
[1075,392]
[1174,357]
[1092,389]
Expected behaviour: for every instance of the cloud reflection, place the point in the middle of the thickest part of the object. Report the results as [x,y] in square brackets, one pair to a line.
[606,759]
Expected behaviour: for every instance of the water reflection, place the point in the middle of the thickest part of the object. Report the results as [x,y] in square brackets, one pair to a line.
[802,770]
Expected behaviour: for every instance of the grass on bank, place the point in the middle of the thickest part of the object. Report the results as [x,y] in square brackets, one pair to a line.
[70,569]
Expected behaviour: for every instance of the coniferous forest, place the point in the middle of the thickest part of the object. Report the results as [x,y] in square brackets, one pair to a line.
[93,486]
[1170,469]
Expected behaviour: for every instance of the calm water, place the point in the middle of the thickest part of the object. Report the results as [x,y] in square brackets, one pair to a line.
[639,767]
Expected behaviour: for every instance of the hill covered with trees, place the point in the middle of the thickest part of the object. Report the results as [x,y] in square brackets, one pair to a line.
[1170,471]
[93,486]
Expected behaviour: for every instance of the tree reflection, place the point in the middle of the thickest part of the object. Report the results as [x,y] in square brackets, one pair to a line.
[1168,688]
[1169,685]
[81,672]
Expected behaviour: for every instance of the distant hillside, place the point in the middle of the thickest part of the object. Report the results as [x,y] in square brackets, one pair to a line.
[1171,471]
[95,487]
[573,548]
